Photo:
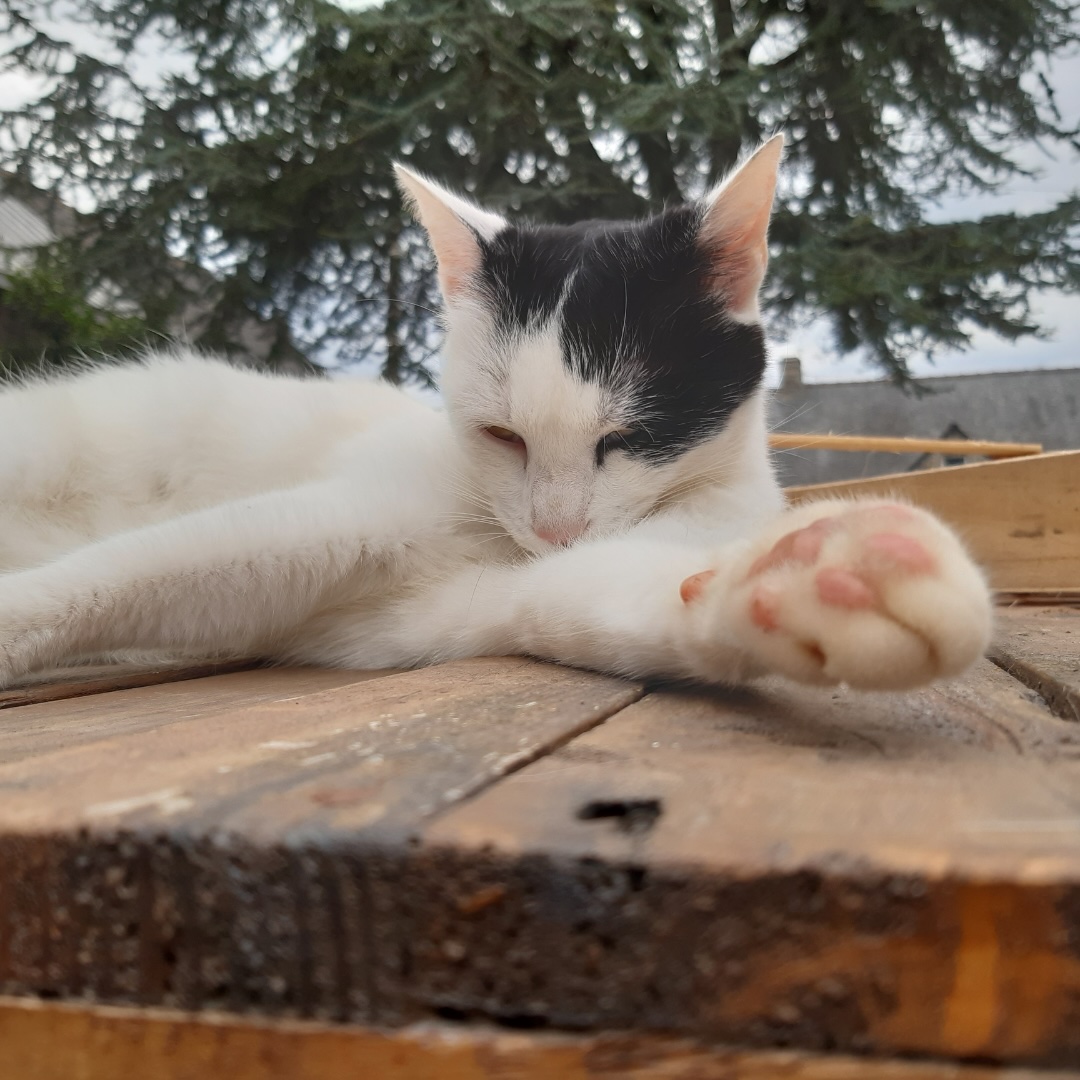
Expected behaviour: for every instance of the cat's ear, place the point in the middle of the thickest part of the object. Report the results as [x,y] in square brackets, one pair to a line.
[734,230]
[454,226]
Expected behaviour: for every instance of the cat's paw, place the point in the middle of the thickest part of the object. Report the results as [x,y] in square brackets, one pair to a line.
[877,595]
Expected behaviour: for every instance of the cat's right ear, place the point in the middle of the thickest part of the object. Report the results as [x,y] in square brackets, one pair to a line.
[454,226]
[735,227]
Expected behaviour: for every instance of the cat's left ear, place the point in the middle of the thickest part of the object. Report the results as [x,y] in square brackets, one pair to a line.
[735,228]
[454,226]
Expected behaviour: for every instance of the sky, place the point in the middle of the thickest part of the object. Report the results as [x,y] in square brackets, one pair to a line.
[1057,175]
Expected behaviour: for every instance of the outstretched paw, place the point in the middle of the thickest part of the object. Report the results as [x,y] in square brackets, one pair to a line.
[877,595]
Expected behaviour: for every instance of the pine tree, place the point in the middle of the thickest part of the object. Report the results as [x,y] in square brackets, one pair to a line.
[266,156]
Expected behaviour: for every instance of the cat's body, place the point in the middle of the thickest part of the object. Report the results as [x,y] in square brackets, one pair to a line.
[599,491]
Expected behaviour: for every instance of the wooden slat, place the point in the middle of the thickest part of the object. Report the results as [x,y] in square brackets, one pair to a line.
[1020,518]
[893,873]
[34,730]
[223,859]
[1041,648]
[46,1041]
[384,750]
[885,445]
[76,683]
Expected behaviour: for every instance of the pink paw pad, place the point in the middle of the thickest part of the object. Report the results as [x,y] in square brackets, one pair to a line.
[801,546]
[842,588]
[901,552]
[694,585]
[763,610]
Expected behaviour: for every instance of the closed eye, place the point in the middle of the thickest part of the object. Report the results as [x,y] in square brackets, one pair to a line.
[620,439]
[504,435]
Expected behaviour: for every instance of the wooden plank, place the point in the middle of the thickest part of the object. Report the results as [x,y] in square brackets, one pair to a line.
[80,683]
[37,729]
[47,1041]
[1020,518]
[252,768]
[1039,597]
[1041,648]
[888,445]
[223,859]
[886,874]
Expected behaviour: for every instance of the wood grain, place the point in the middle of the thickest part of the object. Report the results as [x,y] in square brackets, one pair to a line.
[887,445]
[46,1041]
[512,841]
[223,859]
[76,682]
[388,751]
[893,873]
[37,729]
[1020,518]
[1041,648]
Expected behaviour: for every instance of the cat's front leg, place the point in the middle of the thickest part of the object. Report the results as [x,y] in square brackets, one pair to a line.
[875,594]
[232,580]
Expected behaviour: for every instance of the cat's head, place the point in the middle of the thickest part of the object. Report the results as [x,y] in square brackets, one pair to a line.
[594,371]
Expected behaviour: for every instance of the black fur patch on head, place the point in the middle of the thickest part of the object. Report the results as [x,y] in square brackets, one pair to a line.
[638,315]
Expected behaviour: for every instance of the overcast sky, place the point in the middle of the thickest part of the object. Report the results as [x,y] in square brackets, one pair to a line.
[1058,176]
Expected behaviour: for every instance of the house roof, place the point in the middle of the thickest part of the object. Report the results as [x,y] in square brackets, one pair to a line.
[20,227]
[21,230]
[1040,406]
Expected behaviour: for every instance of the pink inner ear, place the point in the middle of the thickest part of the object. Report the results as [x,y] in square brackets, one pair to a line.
[736,272]
[457,249]
[738,255]
[735,229]
[455,271]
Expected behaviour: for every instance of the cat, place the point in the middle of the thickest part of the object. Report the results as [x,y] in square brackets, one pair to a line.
[598,490]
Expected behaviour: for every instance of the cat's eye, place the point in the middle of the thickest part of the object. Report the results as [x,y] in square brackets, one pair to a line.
[620,439]
[505,435]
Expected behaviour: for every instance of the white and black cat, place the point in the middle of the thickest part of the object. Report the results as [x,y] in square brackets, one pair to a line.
[598,490]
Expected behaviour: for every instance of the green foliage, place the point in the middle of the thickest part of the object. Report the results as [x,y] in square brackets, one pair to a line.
[46,320]
[266,154]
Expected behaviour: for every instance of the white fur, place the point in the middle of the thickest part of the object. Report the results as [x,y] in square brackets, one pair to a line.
[192,509]
[188,509]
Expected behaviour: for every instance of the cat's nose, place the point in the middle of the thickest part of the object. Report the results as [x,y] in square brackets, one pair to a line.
[563,534]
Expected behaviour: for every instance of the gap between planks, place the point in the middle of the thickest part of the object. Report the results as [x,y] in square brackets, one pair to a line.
[1041,649]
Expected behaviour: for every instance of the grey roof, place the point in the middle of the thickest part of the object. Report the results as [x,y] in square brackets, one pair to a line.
[21,230]
[1009,406]
[20,227]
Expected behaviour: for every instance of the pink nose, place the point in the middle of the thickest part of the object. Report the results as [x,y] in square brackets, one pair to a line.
[563,534]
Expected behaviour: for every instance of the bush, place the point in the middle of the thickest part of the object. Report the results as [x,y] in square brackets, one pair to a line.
[47,321]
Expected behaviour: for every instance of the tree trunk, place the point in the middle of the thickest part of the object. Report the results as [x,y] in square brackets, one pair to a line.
[396,359]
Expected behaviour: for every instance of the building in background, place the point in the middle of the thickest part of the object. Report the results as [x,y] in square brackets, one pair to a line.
[31,219]
[22,230]
[1009,406]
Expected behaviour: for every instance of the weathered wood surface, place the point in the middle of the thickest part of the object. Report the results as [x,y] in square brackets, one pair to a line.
[1041,648]
[895,873]
[53,724]
[541,847]
[223,858]
[1021,518]
[47,1041]
[82,683]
